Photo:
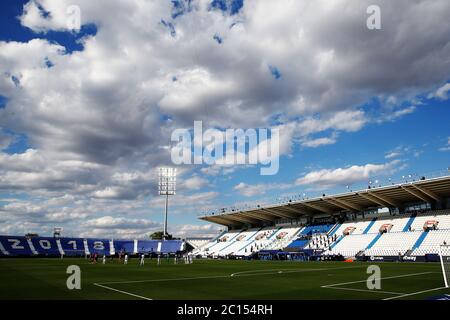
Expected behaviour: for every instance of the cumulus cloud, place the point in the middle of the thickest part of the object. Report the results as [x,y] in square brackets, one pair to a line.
[319,142]
[109,222]
[183,200]
[392,116]
[348,121]
[194,183]
[250,190]
[96,118]
[327,178]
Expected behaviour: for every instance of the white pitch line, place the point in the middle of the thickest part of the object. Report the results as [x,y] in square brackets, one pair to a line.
[364,290]
[250,273]
[281,271]
[255,273]
[393,277]
[414,293]
[120,291]
[270,271]
[161,280]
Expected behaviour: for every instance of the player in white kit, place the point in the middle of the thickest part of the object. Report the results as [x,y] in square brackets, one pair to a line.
[125,261]
[142,261]
[104,259]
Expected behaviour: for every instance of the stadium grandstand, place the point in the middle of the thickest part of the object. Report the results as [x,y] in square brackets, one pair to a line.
[16,246]
[340,236]
[405,221]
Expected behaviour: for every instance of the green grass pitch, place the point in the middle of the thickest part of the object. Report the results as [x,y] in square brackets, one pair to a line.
[216,280]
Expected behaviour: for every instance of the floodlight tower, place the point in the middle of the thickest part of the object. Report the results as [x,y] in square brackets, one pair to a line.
[57,232]
[167,187]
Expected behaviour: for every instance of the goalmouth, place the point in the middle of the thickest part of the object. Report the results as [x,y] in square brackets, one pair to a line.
[444,255]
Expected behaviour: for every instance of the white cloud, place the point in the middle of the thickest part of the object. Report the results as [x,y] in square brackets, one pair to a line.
[94,117]
[403,151]
[249,190]
[192,200]
[392,116]
[319,142]
[442,92]
[392,155]
[194,183]
[349,121]
[327,178]
[108,222]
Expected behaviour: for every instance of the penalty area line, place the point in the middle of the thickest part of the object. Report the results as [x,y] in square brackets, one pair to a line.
[123,292]
[397,294]
[248,273]
[385,278]
[364,290]
[414,293]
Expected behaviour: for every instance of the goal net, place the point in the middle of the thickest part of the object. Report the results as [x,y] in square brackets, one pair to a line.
[444,254]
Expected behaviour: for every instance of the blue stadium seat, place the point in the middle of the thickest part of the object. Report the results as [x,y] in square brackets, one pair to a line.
[171,246]
[16,246]
[147,246]
[298,244]
[323,228]
[126,246]
[99,246]
[72,246]
[45,246]
[168,246]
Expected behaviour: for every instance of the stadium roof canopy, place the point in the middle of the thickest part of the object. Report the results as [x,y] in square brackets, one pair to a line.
[392,196]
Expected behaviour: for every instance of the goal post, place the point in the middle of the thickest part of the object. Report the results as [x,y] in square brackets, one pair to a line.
[444,255]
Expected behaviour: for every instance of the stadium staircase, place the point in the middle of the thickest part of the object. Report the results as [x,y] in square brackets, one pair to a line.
[334,229]
[372,243]
[279,244]
[237,245]
[410,222]
[388,235]
[370,226]
[337,241]
[408,252]
[219,245]
[420,240]
[259,240]
[431,242]
[209,244]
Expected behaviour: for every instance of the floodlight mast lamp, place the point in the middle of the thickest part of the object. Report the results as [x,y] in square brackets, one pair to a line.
[167,187]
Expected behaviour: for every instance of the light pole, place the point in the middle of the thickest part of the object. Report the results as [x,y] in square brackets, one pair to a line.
[167,187]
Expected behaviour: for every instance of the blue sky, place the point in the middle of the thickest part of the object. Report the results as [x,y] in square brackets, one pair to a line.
[86,115]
